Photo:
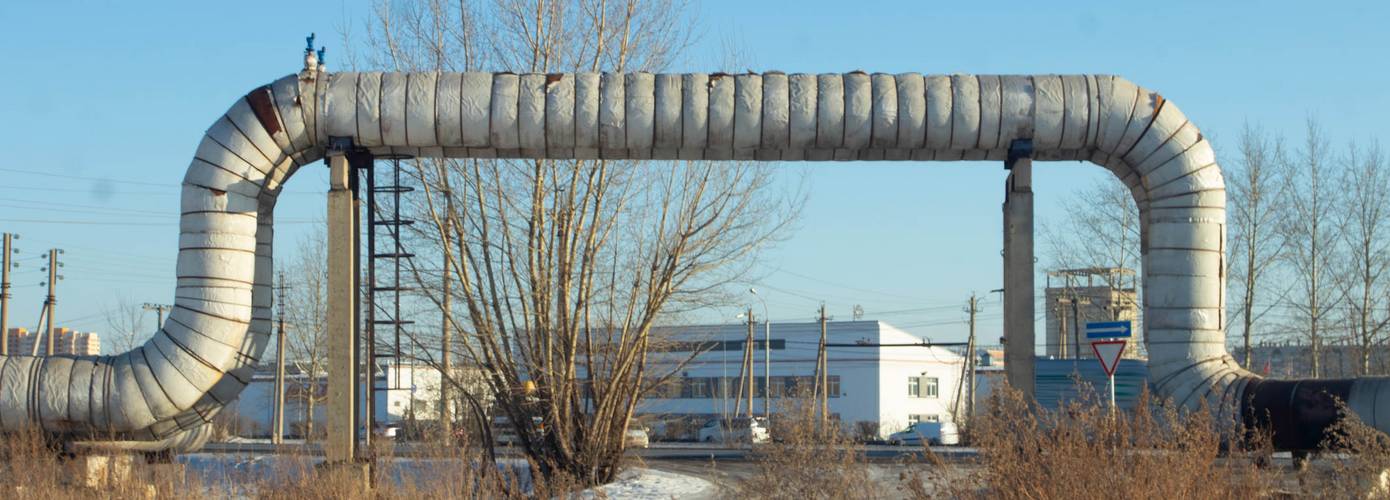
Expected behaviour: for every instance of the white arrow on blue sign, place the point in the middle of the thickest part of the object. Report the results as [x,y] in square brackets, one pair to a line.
[1108,330]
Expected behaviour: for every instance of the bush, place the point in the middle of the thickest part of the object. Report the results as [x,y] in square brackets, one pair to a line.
[866,431]
[1357,461]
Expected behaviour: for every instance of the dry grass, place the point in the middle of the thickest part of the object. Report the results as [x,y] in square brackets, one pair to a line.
[34,468]
[1084,452]
[1354,462]
[1080,451]
[806,461]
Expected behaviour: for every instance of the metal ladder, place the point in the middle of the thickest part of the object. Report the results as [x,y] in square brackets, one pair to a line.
[383,307]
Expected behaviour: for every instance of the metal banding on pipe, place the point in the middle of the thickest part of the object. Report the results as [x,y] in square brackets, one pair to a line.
[162,393]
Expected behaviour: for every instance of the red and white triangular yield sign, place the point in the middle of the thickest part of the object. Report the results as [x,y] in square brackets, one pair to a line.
[1108,353]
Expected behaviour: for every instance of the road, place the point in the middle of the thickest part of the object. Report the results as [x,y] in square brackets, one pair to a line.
[723,466]
[669,452]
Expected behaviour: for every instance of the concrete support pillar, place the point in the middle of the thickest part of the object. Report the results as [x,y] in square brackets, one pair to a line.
[1018,269]
[341,442]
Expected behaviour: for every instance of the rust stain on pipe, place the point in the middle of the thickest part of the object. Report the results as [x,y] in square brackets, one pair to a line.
[264,108]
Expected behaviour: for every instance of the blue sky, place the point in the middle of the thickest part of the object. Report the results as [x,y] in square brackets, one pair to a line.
[110,99]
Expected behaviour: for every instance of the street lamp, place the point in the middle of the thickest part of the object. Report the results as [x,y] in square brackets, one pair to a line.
[767,358]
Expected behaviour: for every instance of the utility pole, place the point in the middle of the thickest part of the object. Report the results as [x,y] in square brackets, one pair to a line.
[822,378]
[446,324]
[5,295]
[50,304]
[767,357]
[748,360]
[159,310]
[1076,302]
[1062,327]
[973,308]
[277,424]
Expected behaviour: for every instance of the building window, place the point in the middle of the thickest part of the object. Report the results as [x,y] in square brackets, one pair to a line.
[717,345]
[695,388]
[922,387]
[729,387]
[919,418]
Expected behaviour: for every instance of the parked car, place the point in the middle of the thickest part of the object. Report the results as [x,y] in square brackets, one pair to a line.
[737,430]
[387,430]
[636,437]
[504,433]
[931,433]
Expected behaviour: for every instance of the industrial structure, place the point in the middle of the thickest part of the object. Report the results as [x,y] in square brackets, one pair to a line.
[879,377]
[1075,297]
[160,395]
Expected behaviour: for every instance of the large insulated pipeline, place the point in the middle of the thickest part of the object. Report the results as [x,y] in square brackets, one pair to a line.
[203,355]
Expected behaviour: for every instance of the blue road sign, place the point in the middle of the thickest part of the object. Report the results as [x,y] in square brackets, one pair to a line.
[1108,330]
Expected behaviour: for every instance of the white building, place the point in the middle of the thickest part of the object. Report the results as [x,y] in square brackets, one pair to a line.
[880,377]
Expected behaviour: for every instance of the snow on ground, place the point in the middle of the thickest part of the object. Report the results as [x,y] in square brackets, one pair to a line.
[237,475]
[641,483]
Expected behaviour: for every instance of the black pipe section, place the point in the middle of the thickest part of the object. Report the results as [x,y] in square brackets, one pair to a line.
[1298,414]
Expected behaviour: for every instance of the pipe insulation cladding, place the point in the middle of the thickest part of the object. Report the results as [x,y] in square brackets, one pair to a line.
[204,353]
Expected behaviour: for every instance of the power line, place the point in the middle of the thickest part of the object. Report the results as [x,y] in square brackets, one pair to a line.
[123,223]
[846,287]
[88,222]
[85,178]
[113,181]
[89,191]
[52,205]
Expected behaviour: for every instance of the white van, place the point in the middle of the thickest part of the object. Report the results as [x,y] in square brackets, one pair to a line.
[931,433]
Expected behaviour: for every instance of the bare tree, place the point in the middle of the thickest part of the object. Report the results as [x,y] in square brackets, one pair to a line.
[306,310]
[126,323]
[1311,234]
[1254,189]
[1100,228]
[560,269]
[1366,194]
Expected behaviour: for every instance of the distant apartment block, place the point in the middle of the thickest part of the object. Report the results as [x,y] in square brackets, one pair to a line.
[1338,357]
[65,341]
[1074,297]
